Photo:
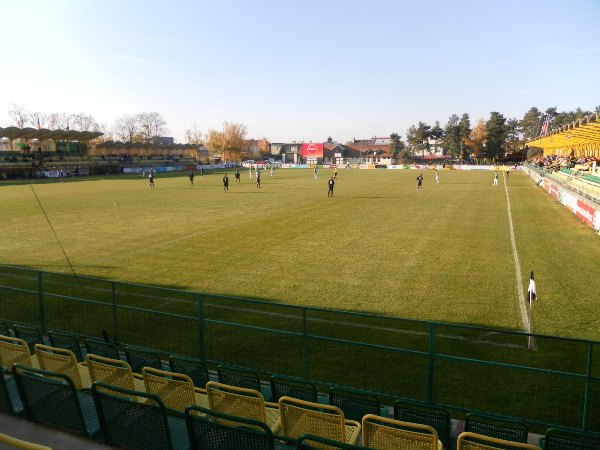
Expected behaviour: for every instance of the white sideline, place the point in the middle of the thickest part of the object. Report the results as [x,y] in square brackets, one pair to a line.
[518,278]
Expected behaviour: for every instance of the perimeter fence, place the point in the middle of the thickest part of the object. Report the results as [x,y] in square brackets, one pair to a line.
[555,382]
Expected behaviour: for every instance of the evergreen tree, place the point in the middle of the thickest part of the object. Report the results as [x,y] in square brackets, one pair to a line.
[496,133]
[452,138]
[531,124]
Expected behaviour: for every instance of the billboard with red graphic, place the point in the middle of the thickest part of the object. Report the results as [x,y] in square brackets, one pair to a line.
[312,150]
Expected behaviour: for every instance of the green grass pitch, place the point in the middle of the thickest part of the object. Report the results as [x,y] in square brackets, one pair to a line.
[378,245]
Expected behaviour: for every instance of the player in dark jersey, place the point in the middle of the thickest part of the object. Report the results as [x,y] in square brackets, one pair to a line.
[225,183]
[191,176]
[237,176]
[257,180]
[330,183]
[419,182]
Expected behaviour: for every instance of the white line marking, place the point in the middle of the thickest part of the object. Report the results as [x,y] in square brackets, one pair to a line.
[518,279]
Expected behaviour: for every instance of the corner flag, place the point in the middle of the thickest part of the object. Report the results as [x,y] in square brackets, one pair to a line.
[531,295]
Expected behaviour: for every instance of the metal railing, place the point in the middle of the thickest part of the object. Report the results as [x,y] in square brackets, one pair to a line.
[578,186]
[460,367]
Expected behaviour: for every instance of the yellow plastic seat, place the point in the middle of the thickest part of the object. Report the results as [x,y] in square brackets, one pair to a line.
[300,417]
[384,433]
[15,351]
[176,390]
[113,372]
[11,442]
[242,402]
[474,441]
[64,361]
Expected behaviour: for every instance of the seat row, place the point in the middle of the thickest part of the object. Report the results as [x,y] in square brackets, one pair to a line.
[238,392]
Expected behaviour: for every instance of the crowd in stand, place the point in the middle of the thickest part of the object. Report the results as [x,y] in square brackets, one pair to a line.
[557,162]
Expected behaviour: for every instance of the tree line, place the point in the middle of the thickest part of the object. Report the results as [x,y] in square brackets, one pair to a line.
[494,138]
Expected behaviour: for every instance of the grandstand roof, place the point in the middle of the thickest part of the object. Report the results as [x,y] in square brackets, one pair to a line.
[583,134]
[43,133]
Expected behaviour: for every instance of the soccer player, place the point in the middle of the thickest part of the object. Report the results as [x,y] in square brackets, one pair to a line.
[419,182]
[151,179]
[335,174]
[61,175]
[225,183]
[201,172]
[437,177]
[330,184]
[272,170]
[237,176]
[250,170]
[495,178]
[316,171]
[257,180]
[191,176]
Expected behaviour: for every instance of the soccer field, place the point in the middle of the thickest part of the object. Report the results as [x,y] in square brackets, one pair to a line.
[379,246]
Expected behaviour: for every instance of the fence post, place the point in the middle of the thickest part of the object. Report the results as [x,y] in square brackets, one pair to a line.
[114,311]
[588,388]
[431,363]
[304,344]
[41,308]
[201,344]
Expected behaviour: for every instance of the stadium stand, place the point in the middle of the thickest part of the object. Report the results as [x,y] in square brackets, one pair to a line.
[236,376]
[113,372]
[499,428]
[68,341]
[64,361]
[31,335]
[385,433]
[137,424]
[194,368]
[10,401]
[15,351]
[559,439]
[51,398]
[176,390]
[242,402]
[299,417]
[416,412]
[473,441]
[160,412]
[18,443]
[292,387]
[211,430]
[354,403]
[139,358]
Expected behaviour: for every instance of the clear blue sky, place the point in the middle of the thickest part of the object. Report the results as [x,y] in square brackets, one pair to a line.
[299,70]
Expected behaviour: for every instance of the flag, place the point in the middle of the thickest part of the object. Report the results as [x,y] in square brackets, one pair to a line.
[546,125]
[531,295]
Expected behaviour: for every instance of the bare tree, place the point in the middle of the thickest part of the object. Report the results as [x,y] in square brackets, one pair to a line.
[152,125]
[84,122]
[52,120]
[19,115]
[193,135]
[37,120]
[64,121]
[127,127]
